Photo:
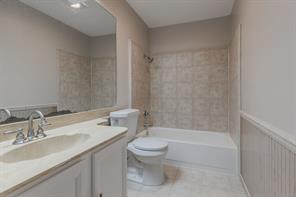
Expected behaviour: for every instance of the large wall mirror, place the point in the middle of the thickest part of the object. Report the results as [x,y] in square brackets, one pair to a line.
[56,56]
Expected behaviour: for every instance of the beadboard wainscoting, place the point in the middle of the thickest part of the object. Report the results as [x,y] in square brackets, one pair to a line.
[268,159]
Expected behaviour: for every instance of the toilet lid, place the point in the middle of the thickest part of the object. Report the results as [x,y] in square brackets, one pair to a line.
[150,144]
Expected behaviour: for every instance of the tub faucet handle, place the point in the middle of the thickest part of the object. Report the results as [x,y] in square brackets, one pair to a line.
[146,113]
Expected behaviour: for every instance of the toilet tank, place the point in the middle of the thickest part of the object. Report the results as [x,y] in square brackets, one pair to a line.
[126,118]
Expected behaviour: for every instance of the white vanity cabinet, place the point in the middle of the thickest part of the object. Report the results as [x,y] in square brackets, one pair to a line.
[99,173]
[109,171]
[71,182]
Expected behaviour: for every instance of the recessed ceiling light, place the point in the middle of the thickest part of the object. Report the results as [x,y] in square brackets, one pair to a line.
[76,5]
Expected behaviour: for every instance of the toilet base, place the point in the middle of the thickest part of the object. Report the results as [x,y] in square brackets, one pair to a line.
[135,175]
[146,174]
[153,175]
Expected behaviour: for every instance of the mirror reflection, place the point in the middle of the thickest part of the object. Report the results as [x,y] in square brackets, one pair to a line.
[56,56]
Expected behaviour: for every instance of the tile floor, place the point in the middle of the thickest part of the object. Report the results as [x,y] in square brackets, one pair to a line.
[191,182]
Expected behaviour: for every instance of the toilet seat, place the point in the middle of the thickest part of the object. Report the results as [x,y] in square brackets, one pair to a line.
[143,153]
[149,144]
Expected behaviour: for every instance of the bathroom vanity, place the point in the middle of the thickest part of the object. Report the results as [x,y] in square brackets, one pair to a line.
[63,55]
[80,160]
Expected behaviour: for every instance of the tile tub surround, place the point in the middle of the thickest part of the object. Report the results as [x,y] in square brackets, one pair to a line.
[268,160]
[140,83]
[191,182]
[17,175]
[189,90]
[58,121]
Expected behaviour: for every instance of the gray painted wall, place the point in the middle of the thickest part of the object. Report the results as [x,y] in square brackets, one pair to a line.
[191,36]
[268,61]
[28,53]
[268,95]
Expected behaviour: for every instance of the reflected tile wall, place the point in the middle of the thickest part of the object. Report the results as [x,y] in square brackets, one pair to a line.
[86,83]
[189,90]
[234,87]
[103,82]
[140,83]
[74,82]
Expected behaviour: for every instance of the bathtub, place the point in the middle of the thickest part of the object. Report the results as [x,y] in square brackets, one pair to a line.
[202,148]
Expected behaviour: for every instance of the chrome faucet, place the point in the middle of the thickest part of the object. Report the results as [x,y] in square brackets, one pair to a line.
[6,111]
[21,138]
[40,132]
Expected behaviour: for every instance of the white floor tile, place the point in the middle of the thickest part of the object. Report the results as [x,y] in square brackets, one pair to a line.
[191,182]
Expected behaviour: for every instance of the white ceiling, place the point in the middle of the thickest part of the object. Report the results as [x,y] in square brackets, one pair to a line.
[157,13]
[92,20]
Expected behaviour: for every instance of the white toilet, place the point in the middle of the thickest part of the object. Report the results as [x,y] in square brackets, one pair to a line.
[145,154]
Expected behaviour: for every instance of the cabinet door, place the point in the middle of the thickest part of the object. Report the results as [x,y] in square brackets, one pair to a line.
[72,182]
[109,171]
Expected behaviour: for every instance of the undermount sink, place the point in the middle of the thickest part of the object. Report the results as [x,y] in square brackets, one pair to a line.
[43,148]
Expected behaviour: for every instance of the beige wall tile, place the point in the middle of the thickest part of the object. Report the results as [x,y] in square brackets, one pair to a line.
[201,122]
[234,86]
[169,120]
[169,105]
[103,82]
[156,89]
[184,90]
[219,90]
[156,73]
[184,59]
[168,61]
[157,118]
[218,74]
[218,107]
[201,90]
[184,74]
[74,82]
[184,121]
[156,104]
[201,106]
[184,107]
[142,88]
[169,75]
[192,84]
[201,74]
[169,90]
[218,123]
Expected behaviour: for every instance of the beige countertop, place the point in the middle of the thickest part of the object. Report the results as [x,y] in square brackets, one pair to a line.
[14,175]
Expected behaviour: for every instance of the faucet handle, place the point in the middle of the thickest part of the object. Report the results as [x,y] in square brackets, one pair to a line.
[19,130]
[44,122]
[40,131]
[20,136]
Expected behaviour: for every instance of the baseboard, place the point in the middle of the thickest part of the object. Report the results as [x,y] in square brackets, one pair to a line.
[245,186]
